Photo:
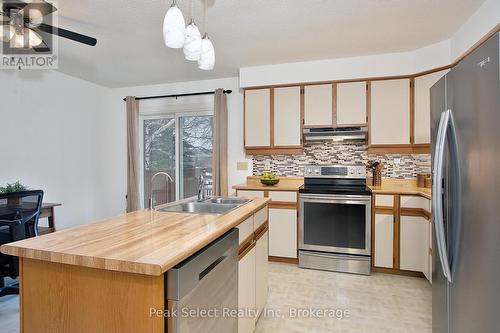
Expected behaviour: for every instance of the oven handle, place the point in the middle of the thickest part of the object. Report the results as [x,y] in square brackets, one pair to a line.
[349,199]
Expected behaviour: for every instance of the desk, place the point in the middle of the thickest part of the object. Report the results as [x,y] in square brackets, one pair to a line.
[47,211]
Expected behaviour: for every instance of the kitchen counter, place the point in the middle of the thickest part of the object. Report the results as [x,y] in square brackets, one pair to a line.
[401,186]
[144,242]
[286,184]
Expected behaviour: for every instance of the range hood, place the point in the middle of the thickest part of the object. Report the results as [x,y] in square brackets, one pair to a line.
[337,134]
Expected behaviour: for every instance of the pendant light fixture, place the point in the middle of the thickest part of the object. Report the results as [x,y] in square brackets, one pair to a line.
[7,32]
[207,56]
[174,27]
[192,45]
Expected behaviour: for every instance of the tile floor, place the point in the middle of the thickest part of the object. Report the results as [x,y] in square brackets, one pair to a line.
[376,303]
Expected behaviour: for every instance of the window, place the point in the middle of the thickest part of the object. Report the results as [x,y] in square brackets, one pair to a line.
[179,145]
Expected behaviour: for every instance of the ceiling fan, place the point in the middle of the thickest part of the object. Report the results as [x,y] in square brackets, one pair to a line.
[22,22]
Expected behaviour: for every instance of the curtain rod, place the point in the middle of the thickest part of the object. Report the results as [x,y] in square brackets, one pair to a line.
[181,95]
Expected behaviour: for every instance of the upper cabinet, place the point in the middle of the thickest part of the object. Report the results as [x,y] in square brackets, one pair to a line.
[273,121]
[390,112]
[287,129]
[351,103]
[423,85]
[396,111]
[258,118]
[318,105]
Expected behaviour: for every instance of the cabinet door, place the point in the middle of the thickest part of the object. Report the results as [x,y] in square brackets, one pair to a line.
[287,130]
[390,112]
[414,243]
[283,233]
[351,103]
[384,240]
[246,290]
[257,118]
[250,194]
[423,85]
[318,105]
[261,287]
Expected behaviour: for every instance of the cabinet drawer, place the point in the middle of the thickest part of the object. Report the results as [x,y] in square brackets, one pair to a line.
[245,229]
[259,218]
[415,202]
[283,196]
[383,200]
[250,194]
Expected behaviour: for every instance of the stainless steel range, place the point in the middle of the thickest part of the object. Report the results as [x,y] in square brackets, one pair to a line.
[335,219]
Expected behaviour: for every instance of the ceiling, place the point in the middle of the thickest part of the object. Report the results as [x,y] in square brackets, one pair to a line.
[130,49]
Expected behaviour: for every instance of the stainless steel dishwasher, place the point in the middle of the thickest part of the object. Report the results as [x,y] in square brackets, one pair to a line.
[200,289]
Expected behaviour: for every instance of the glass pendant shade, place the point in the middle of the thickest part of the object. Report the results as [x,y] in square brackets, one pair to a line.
[34,38]
[17,41]
[207,56]
[174,28]
[192,46]
[6,33]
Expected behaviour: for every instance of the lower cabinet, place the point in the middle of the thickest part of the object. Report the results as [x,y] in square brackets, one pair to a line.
[283,232]
[384,240]
[247,290]
[414,244]
[402,234]
[261,263]
[252,269]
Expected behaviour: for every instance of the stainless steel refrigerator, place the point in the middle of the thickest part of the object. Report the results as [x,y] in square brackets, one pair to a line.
[465,130]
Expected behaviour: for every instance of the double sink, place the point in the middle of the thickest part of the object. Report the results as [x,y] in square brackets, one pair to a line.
[215,205]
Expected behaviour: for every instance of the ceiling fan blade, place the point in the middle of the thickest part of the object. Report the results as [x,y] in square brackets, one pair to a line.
[44,7]
[68,34]
[41,48]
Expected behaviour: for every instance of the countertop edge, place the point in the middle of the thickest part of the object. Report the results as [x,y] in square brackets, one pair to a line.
[402,192]
[151,269]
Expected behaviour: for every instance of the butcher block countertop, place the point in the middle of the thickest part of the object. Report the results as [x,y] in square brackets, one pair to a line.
[286,184]
[401,186]
[144,242]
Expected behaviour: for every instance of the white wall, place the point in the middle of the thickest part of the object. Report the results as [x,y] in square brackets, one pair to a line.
[58,134]
[236,152]
[477,26]
[390,64]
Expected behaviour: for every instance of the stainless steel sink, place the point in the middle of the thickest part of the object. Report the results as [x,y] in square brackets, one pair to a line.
[208,206]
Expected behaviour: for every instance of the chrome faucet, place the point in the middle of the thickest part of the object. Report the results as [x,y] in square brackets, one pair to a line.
[201,188]
[167,177]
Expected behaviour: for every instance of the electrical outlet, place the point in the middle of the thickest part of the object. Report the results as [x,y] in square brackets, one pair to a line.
[242,166]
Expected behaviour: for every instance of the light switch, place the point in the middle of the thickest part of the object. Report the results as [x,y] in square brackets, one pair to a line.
[242,166]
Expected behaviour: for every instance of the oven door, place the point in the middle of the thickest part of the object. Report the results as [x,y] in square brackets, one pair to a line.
[335,223]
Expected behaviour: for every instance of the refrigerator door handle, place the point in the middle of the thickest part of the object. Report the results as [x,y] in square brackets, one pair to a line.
[446,131]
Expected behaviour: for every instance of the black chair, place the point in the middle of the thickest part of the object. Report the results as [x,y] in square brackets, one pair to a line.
[19,213]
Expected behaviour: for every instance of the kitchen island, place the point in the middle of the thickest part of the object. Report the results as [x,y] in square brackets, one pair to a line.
[107,275]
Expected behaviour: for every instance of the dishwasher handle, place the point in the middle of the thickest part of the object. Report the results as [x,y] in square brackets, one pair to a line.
[185,276]
[211,267]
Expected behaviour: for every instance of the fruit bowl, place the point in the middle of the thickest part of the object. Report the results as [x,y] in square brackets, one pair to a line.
[270,182]
[269,179]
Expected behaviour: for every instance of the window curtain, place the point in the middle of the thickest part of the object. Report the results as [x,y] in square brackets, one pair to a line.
[219,158]
[132,154]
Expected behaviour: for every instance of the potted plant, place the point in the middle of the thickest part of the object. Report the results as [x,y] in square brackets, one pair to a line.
[13,188]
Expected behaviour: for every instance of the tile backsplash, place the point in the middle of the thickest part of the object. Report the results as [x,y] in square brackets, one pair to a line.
[395,165]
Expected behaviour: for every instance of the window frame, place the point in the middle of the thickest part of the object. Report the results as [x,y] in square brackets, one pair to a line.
[165,115]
